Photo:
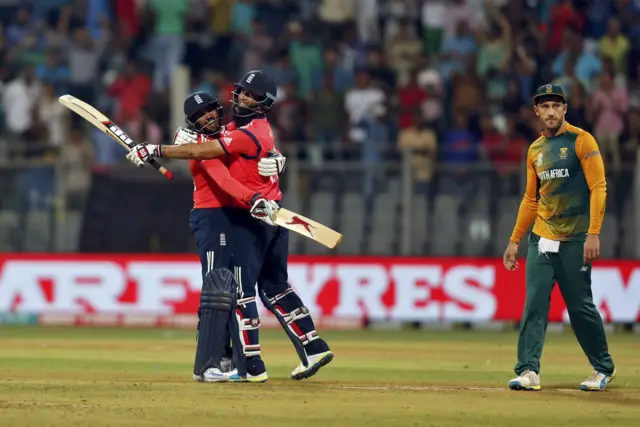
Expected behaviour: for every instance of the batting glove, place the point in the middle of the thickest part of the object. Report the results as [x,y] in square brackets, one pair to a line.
[187,136]
[143,153]
[263,209]
[273,164]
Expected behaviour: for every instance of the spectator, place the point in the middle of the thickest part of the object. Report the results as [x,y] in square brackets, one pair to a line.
[513,99]
[459,152]
[166,46]
[128,18]
[421,141]
[458,12]
[19,102]
[21,27]
[242,15]
[577,113]
[367,20]
[410,99]
[281,71]
[380,70]
[455,51]
[336,14]
[327,126]
[526,66]
[598,15]
[131,90]
[396,13]
[493,58]
[467,90]
[306,57]
[375,141]
[431,81]
[505,150]
[609,106]
[53,117]
[28,52]
[342,77]
[257,47]
[566,79]
[433,20]
[54,72]
[289,115]
[77,159]
[360,100]
[84,57]
[563,16]
[588,65]
[403,51]
[615,46]
[460,145]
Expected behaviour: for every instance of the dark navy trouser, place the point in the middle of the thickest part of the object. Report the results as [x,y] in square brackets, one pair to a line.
[254,251]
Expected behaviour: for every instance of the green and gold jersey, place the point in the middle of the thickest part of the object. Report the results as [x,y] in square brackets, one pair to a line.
[566,187]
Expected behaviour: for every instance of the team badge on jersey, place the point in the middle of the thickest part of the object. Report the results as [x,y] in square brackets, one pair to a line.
[563,153]
[539,160]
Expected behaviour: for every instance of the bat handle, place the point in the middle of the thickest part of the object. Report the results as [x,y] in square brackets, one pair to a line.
[164,171]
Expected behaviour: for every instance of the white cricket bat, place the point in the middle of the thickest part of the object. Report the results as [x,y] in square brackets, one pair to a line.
[103,123]
[308,228]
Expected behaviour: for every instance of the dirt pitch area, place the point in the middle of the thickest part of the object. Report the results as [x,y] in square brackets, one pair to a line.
[117,377]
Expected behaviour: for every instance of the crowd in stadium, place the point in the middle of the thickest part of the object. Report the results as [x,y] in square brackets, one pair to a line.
[451,79]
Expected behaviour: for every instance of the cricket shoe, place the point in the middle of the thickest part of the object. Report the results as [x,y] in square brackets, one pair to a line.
[212,375]
[215,375]
[597,381]
[256,372]
[528,380]
[315,362]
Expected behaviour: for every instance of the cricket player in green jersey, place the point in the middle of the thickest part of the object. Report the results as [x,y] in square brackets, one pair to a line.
[565,201]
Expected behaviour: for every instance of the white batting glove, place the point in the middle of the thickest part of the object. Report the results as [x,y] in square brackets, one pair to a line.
[143,153]
[186,136]
[273,164]
[264,210]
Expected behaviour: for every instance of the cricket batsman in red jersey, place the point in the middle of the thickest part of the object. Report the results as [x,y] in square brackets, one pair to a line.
[254,250]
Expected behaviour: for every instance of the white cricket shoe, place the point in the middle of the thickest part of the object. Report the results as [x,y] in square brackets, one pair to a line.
[528,380]
[215,375]
[597,381]
[316,361]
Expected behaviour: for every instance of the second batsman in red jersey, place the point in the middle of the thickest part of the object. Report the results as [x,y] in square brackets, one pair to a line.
[234,178]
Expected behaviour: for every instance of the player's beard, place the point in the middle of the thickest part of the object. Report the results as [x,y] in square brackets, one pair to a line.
[553,127]
[241,115]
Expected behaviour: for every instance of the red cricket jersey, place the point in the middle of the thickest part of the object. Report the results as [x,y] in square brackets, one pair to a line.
[236,174]
[245,146]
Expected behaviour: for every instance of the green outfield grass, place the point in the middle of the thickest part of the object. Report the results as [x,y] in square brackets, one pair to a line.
[118,377]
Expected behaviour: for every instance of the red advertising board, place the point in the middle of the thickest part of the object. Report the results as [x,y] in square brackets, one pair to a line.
[163,290]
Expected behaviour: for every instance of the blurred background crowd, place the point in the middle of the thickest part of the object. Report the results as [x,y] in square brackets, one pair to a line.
[361,84]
